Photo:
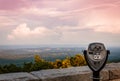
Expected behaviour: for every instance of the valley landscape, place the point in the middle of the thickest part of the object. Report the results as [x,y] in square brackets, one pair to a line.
[20,55]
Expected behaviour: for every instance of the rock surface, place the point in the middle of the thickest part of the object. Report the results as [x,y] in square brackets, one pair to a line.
[115,80]
[110,73]
[18,77]
[68,74]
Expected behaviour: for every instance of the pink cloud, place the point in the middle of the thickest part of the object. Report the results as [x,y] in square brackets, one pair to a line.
[97,15]
[52,12]
[13,5]
[108,29]
[23,32]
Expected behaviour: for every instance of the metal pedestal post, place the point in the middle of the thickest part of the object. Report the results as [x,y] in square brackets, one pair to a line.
[96,76]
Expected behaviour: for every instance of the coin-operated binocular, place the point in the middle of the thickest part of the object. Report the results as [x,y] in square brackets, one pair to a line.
[96,56]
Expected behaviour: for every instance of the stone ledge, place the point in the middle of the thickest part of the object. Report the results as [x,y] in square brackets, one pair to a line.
[110,73]
[82,73]
[114,70]
[115,80]
[22,76]
[67,74]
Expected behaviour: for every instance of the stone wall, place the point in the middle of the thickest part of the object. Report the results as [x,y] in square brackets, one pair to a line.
[110,73]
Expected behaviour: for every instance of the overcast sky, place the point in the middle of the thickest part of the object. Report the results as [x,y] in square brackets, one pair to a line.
[36,22]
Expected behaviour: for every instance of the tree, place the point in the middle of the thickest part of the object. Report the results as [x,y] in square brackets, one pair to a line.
[13,68]
[57,63]
[78,60]
[27,67]
[41,65]
[37,58]
[66,63]
[1,69]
